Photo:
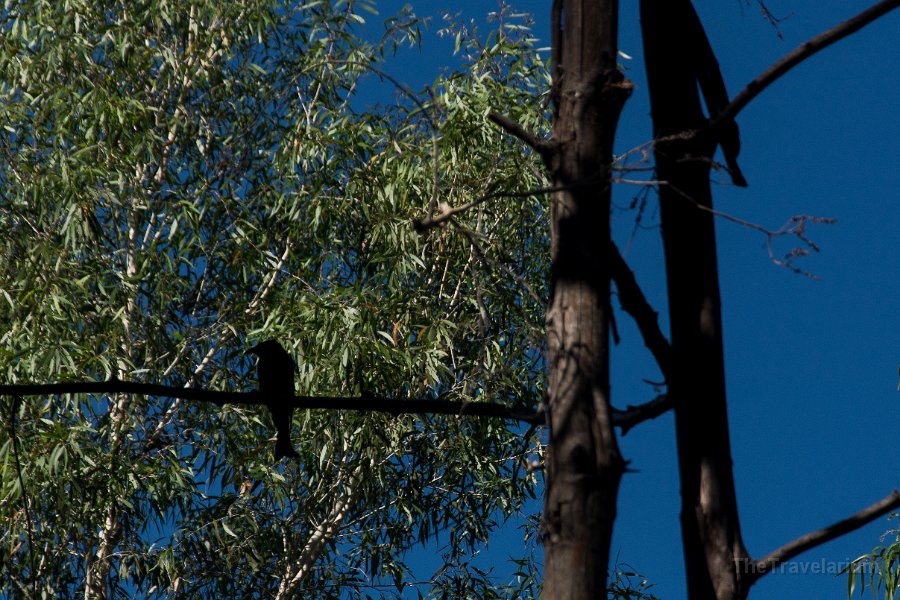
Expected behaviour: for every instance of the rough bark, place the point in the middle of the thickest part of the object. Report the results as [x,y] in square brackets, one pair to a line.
[584,466]
[713,549]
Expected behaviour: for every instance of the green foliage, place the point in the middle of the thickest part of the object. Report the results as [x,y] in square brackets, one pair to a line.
[879,569]
[180,179]
[627,584]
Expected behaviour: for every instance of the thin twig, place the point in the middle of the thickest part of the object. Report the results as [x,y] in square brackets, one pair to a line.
[795,226]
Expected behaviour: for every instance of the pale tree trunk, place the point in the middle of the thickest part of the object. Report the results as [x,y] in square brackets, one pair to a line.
[99,566]
[347,492]
[584,466]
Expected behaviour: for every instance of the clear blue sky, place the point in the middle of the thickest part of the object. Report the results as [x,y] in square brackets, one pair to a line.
[811,365]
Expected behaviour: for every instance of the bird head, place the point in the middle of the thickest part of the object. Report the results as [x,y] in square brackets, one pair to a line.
[272,352]
[267,348]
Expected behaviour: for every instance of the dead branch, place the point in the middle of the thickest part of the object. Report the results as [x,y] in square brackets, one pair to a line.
[817,538]
[795,226]
[635,304]
[801,53]
[629,417]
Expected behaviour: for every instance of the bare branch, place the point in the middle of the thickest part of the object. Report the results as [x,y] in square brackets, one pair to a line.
[635,304]
[769,16]
[801,53]
[817,538]
[516,130]
[365,402]
[627,418]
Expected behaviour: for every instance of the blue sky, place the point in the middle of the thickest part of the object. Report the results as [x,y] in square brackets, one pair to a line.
[811,365]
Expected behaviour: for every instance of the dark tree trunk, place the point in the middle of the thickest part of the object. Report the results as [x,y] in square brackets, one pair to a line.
[675,50]
[584,466]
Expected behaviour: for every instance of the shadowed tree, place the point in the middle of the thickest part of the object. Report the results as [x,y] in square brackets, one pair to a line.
[677,56]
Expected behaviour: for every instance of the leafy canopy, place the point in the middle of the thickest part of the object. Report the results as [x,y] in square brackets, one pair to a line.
[181,179]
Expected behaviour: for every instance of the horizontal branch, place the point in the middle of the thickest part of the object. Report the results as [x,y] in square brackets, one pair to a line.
[627,418]
[365,402]
[635,304]
[801,53]
[826,534]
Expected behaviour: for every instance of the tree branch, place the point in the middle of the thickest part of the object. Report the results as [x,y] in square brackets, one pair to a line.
[516,130]
[801,53]
[635,304]
[795,226]
[423,224]
[817,538]
[365,402]
[627,418]
[323,533]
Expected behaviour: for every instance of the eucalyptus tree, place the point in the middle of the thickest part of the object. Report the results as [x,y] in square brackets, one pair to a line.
[182,179]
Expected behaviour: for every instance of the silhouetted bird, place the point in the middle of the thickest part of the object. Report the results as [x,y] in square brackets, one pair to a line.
[275,371]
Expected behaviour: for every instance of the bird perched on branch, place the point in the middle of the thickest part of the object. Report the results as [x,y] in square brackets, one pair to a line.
[275,371]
